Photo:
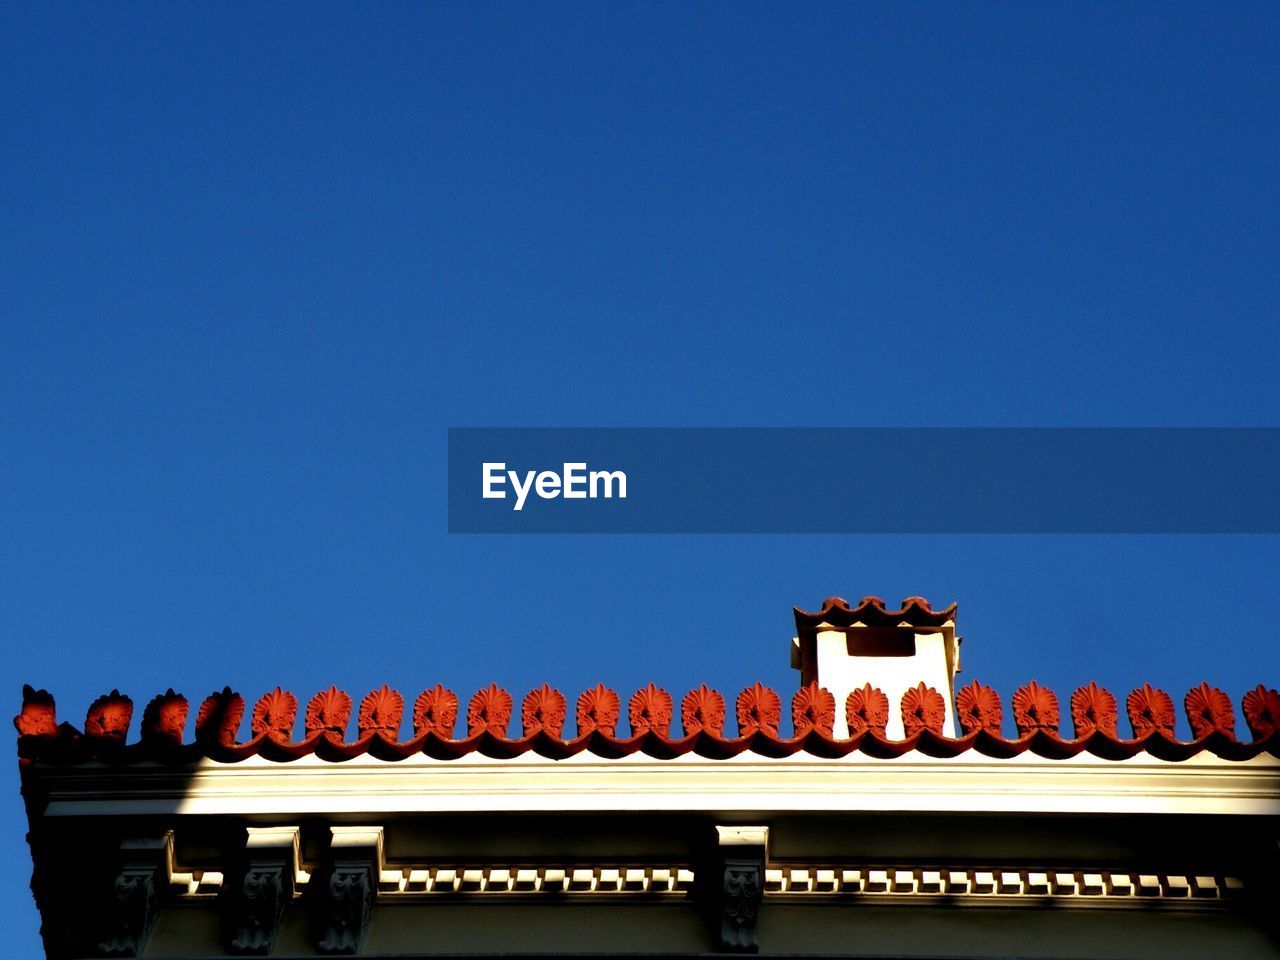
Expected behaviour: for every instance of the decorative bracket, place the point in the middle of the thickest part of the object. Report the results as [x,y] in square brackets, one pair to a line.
[273,871]
[357,864]
[135,901]
[742,852]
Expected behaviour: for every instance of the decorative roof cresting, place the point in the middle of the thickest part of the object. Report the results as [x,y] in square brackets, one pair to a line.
[654,726]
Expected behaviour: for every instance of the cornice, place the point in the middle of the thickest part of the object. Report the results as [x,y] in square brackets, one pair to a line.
[748,784]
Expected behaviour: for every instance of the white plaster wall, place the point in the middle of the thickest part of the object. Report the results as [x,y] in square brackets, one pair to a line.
[841,674]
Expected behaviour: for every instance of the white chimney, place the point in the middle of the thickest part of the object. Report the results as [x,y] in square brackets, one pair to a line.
[843,648]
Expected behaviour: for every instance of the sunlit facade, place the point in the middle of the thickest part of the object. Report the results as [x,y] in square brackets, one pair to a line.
[892,817]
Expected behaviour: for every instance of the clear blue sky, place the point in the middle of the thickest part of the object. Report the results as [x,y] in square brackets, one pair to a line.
[256,259]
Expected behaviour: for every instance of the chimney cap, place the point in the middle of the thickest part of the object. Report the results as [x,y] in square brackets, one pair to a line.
[871,612]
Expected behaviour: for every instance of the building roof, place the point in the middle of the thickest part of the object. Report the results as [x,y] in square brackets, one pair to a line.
[285,826]
[488,729]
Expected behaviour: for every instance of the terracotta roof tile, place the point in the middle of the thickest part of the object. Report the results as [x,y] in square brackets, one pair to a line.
[871,612]
[542,722]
